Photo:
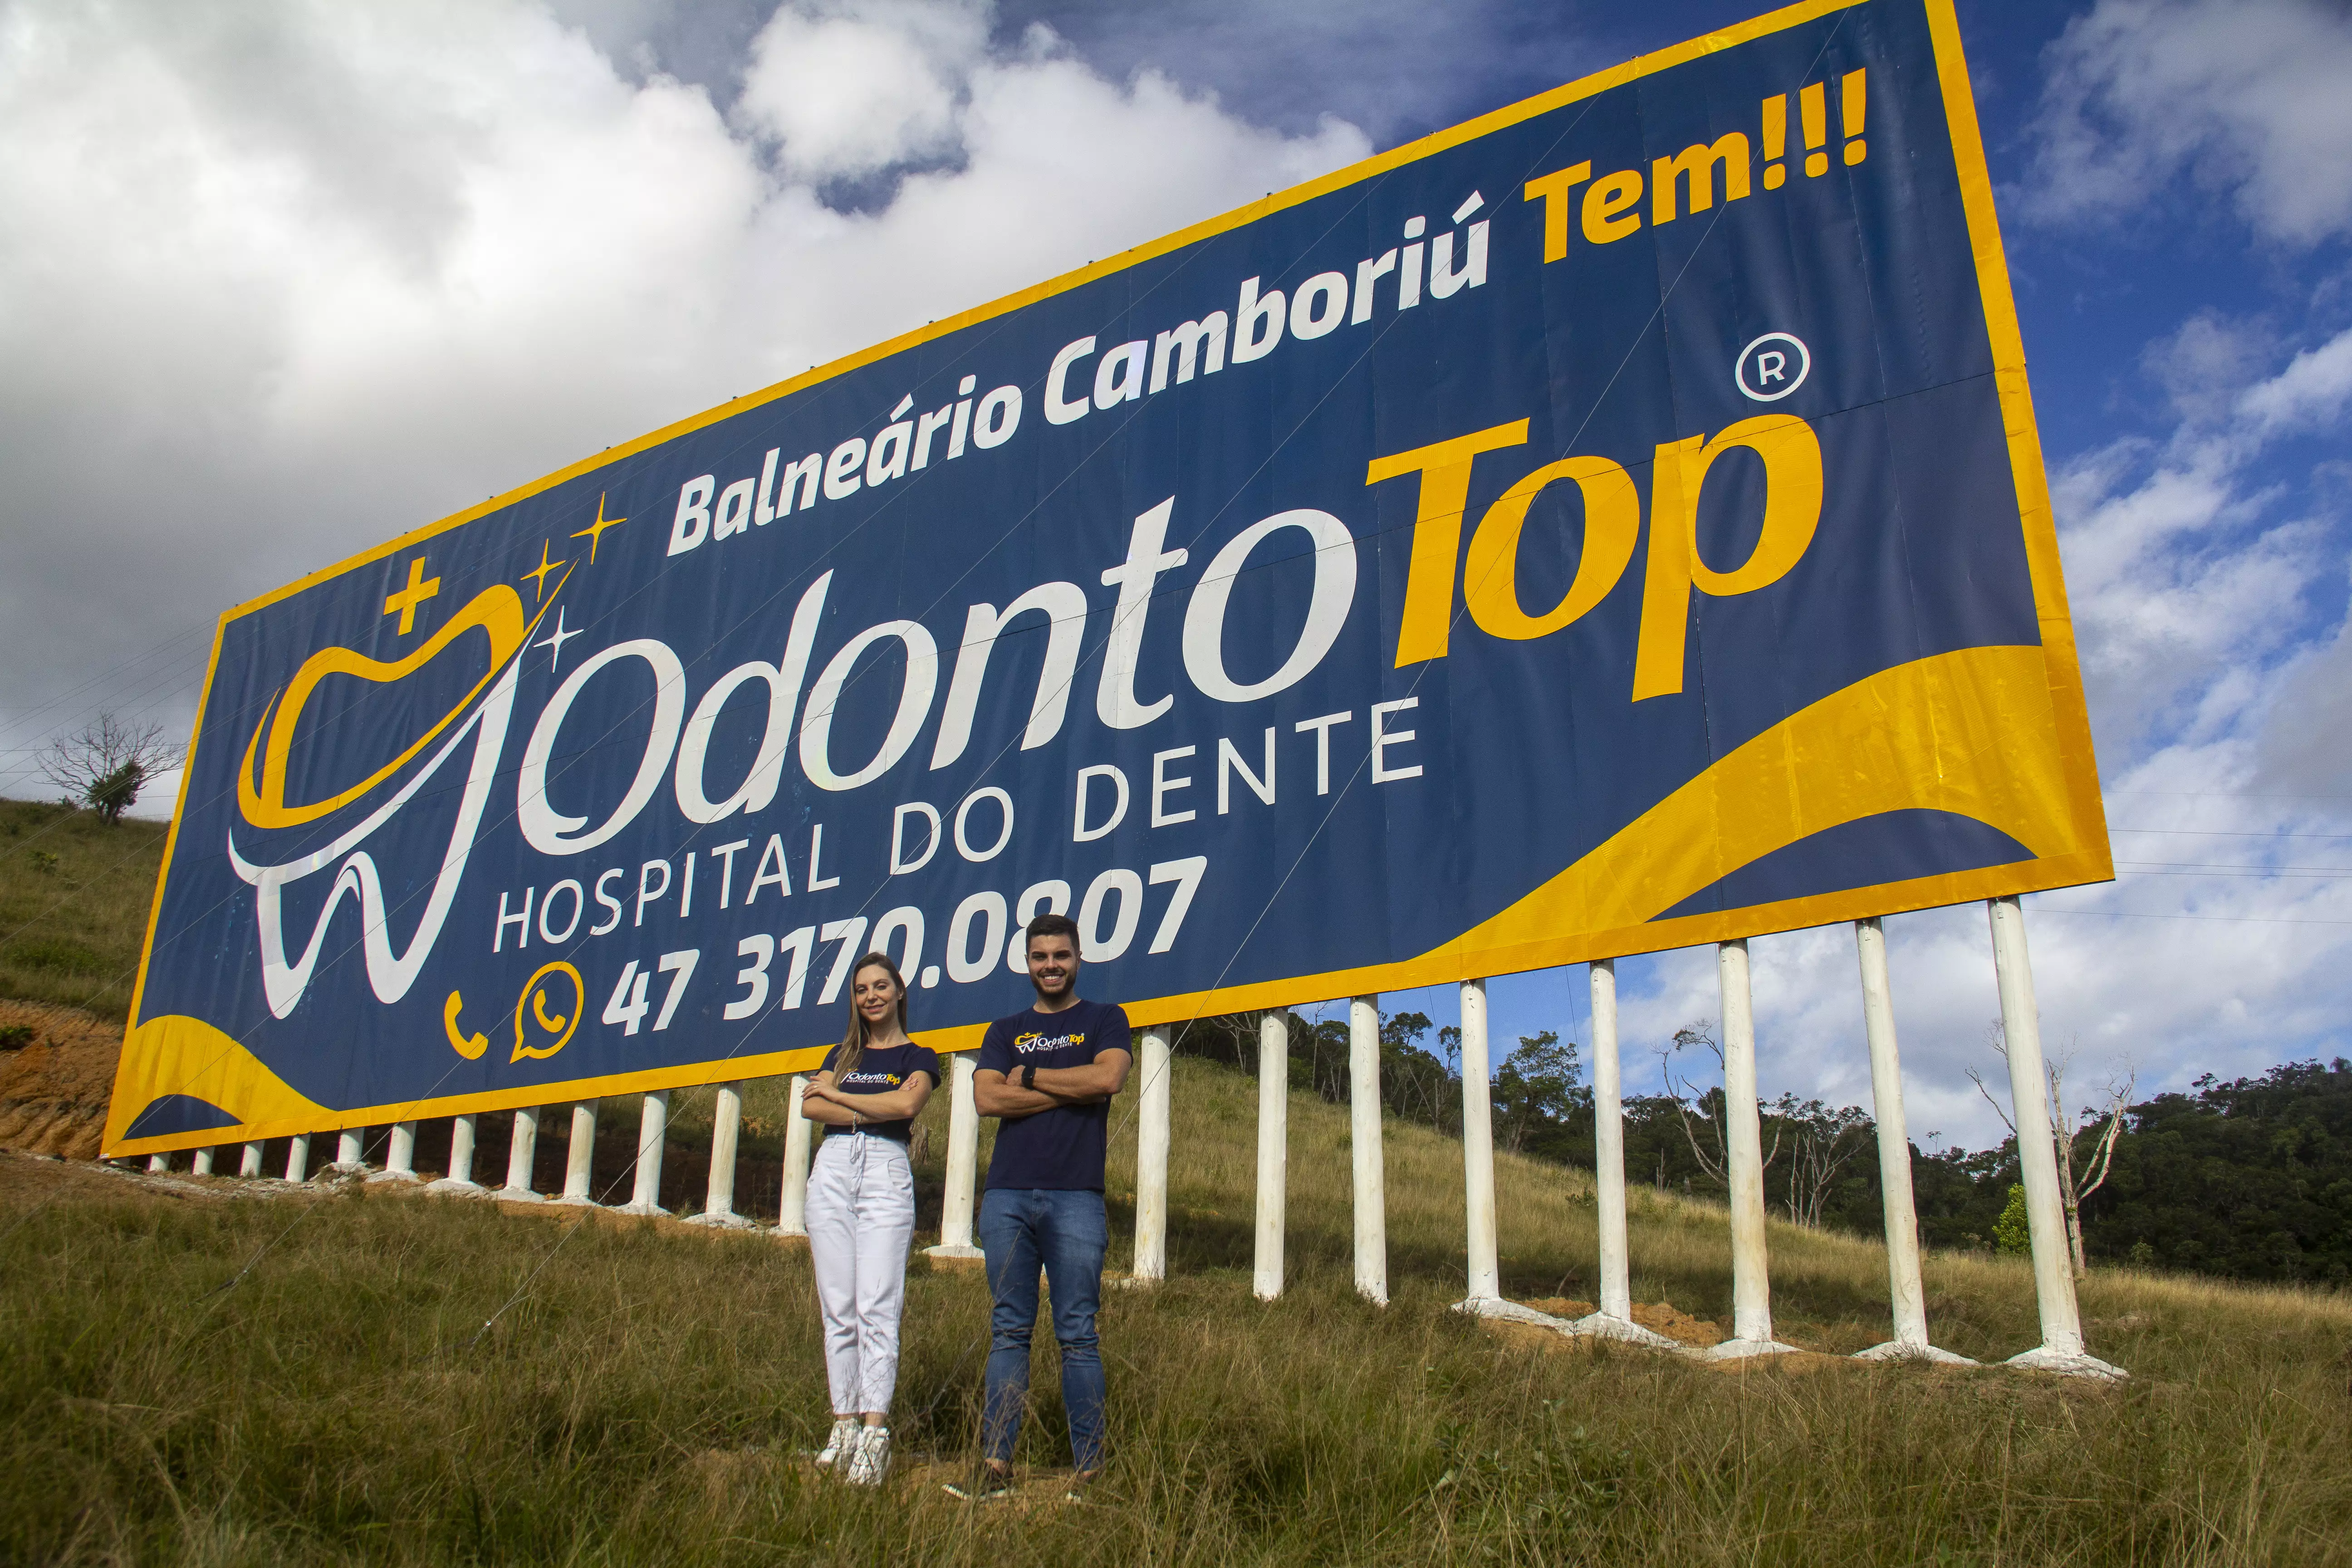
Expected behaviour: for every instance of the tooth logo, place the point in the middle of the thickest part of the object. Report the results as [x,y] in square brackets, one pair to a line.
[482,714]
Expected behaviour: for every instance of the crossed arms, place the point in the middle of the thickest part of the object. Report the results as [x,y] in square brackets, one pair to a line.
[995,1094]
[823,1103]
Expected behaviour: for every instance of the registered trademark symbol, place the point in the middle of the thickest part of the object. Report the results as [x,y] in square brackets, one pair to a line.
[1773,367]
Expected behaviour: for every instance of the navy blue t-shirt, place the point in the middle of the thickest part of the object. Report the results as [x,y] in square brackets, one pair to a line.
[880,1072]
[1059,1150]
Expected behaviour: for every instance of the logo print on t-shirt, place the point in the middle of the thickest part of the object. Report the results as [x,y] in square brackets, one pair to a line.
[1032,1042]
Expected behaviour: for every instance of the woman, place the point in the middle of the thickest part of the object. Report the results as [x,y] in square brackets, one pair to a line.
[861,1209]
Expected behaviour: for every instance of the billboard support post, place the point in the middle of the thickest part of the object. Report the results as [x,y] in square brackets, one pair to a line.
[1484,1279]
[963,1160]
[203,1161]
[1273,1147]
[399,1154]
[1907,1293]
[522,1153]
[460,1178]
[791,1208]
[1364,1143]
[1609,1145]
[158,1163]
[653,1130]
[726,1136]
[1743,1138]
[2060,1348]
[250,1164]
[580,1155]
[1153,1104]
[297,1157]
[349,1161]
[1614,1320]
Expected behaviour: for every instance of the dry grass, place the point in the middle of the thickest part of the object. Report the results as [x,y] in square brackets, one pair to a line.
[639,1400]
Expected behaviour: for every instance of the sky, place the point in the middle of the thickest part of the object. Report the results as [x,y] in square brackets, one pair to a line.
[279,280]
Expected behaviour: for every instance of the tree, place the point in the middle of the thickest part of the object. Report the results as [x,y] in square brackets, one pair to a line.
[1825,1140]
[1536,1087]
[2013,1232]
[105,767]
[1712,1112]
[2103,1124]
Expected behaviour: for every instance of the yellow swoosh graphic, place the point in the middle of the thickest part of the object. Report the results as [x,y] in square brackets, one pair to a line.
[179,1055]
[1969,732]
[496,610]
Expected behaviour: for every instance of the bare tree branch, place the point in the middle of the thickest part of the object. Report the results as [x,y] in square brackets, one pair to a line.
[106,765]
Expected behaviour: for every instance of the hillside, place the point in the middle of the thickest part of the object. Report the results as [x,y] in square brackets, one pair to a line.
[193,1375]
[74,895]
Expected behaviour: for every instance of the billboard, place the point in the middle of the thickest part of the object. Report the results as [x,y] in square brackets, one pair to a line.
[1614,524]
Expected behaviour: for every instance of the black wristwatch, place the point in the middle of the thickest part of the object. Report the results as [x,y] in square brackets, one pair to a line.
[1029,1077]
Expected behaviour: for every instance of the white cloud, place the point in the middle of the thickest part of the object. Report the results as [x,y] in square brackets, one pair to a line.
[286,280]
[2248,97]
[853,88]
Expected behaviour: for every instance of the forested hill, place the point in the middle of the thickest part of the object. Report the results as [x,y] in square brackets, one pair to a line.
[2251,1179]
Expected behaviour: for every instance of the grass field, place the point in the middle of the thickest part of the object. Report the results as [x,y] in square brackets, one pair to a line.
[73,905]
[187,1377]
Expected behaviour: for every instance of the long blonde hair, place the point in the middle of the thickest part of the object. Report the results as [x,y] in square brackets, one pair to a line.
[853,1044]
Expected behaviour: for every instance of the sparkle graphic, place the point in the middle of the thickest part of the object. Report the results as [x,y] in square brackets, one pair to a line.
[536,577]
[554,641]
[596,530]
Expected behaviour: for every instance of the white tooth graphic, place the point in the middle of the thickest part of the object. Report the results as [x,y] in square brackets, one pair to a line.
[390,973]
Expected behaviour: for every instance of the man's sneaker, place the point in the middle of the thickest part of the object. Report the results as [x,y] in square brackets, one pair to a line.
[843,1439]
[989,1486]
[1081,1482]
[869,1461]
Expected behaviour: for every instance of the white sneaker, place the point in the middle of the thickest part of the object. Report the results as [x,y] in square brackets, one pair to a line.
[870,1460]
[843,1441]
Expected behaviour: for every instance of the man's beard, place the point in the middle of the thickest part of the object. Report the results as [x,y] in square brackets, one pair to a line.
[1044,995]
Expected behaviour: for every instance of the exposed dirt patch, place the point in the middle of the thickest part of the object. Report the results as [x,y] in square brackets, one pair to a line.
[27,1181]
[1659,1318]
[54,1092]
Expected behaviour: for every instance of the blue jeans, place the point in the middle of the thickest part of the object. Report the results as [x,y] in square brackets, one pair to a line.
[1067,1233]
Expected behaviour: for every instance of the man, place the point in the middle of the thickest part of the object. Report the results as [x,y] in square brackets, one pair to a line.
[1050,1073]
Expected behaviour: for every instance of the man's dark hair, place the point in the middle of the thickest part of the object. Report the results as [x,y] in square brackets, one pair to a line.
[1051,924]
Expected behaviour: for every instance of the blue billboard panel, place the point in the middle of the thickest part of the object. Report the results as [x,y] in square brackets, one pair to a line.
[1611,525]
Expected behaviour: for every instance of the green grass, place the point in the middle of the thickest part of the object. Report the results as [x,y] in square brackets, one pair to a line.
[637,1402]
[74,895]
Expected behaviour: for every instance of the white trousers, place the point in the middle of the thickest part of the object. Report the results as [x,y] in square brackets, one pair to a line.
[861,1222]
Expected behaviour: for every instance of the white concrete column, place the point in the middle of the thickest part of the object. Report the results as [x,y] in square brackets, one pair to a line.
[1905,1291]
[2060,1348]
[653,1130]
[204,1161]
[1151,1107]
[1751,1286]
[347,1151]
[963,1162]
[1478,1147]
[1609,1145]
[1273,1147]
[298,1158]
[399,1155]
[249,1164]
[726,1135]
[580,1155]
[460,1178]
[1364,1135]
[1614,1320]
[159,1163]
[521,1155]
[792,1218]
